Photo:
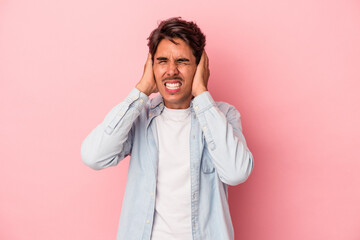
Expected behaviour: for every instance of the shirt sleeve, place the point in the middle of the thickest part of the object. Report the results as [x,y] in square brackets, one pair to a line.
[222,129]
[111,140]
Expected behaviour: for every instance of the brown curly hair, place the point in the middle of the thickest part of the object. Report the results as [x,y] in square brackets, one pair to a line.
[175,27]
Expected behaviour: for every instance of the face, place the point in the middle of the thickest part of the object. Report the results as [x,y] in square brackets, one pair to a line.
[174,69]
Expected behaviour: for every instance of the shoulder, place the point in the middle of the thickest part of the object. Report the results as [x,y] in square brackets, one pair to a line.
[154,102]
[227,108]
[151,107]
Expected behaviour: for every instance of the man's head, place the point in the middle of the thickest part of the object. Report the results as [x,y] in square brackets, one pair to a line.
[172,28]
[176,47]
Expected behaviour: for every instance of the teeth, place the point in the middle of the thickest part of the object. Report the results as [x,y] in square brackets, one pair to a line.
[172,85]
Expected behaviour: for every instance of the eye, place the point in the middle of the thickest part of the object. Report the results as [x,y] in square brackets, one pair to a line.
[183,61]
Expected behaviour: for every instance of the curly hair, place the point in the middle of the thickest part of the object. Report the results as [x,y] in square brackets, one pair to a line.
[175,27]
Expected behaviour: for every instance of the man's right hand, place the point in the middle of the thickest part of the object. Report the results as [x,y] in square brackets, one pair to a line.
[147,83]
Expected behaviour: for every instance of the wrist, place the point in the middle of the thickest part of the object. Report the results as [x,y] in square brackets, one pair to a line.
[199,91]
[143,89]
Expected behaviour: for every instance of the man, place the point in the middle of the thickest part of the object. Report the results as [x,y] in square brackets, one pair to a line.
[185,148]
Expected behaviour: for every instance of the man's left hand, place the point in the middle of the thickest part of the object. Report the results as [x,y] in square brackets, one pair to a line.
[201,76]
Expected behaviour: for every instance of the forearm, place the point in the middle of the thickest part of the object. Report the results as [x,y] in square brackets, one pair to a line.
[110,141]
[226,144]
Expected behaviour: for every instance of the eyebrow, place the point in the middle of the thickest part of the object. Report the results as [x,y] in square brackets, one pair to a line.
[161,58]
[183,60]
[178,60]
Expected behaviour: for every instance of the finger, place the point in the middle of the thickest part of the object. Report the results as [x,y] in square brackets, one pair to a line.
[206,59]
[147,59]
[202,59]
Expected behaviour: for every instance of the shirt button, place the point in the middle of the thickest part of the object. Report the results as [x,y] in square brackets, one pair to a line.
[194,195]
[196,107]
[152,194]
[204,128]
[148,221]
[134,97]
[141,101]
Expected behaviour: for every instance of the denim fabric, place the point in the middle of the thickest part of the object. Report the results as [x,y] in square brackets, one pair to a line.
[218,157]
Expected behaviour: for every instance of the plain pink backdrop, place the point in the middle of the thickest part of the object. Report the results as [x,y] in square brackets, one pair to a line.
[292,68]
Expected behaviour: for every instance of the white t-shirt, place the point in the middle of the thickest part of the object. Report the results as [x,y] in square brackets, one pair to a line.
[172,218]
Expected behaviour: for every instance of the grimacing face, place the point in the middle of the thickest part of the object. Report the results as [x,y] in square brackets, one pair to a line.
[174,69]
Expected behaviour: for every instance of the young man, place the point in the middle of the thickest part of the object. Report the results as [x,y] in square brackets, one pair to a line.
[185,148]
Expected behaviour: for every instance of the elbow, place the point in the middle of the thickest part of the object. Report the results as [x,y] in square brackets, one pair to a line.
[89,158]
[96,159]
[239,174]
[234,180]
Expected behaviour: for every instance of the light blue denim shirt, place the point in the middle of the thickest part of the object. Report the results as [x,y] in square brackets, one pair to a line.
[218,157]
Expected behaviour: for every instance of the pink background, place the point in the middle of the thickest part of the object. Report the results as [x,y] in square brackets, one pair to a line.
[292,68]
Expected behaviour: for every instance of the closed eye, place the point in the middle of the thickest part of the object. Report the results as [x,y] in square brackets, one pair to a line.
[183,60]
[161,59]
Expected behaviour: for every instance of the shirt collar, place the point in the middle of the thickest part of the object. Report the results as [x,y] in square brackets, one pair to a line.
[157,105]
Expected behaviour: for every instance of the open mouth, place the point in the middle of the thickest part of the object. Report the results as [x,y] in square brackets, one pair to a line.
[172,86]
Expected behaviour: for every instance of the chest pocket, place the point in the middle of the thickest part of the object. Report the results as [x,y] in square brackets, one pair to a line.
[207,164]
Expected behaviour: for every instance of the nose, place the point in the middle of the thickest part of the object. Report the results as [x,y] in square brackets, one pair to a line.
[172,69]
